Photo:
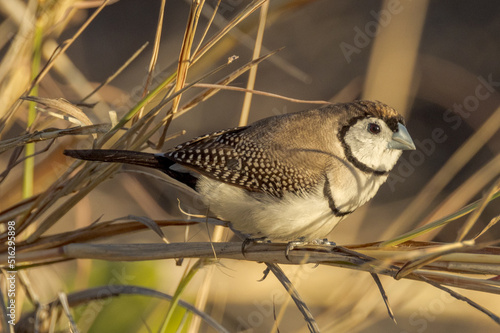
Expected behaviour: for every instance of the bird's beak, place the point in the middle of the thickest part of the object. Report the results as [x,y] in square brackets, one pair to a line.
[401,139]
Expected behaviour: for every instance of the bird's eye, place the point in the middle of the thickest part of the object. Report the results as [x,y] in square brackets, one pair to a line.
[373,128]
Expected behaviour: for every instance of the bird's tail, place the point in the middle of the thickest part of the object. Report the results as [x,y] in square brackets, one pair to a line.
[121,156]
[156,161]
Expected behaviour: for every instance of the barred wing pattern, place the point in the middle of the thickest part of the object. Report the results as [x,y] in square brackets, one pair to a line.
[233,157]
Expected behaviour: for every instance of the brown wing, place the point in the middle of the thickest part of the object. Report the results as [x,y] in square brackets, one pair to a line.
[234,157]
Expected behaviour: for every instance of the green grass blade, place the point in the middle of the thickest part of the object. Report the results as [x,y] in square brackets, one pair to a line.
[166,327]
[436,224]
[29,163]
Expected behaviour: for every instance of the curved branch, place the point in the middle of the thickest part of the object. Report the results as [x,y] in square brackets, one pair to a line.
[103,292]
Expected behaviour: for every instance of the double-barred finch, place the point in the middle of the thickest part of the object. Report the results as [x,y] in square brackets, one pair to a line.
[286,177]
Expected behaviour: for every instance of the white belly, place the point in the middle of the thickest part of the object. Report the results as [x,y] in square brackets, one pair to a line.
[260,215]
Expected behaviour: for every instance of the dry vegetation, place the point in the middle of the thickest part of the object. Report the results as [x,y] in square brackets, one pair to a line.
[47,194]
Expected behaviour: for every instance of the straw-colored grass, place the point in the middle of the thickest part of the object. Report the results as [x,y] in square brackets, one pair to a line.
[40,206]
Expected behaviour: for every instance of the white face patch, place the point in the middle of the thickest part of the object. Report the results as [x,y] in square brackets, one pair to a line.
[368,140]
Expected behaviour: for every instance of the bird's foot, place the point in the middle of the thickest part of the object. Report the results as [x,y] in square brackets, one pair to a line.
[265,274]
[301,242]
[253,241]
[293,244]
[323,241]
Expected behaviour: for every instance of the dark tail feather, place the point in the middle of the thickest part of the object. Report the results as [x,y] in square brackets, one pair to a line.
[121,156]
[133,157]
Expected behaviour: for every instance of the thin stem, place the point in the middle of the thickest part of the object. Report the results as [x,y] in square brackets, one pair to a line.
[29,163]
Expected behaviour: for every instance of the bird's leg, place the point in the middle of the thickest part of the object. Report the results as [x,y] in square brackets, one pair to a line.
[254,241]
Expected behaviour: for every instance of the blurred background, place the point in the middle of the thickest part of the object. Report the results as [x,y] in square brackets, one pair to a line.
[436,62]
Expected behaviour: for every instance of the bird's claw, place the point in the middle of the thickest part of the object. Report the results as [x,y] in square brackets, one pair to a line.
[323,241]
[254,241]
[301,242]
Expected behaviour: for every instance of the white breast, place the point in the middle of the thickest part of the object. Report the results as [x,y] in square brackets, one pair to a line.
[354,188]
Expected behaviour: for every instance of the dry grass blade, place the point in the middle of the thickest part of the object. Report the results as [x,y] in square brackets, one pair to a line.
[436,224]
[91,3]
[41,203]
[203,292]
[185,54]
[94,232]
[31,292]
[15,160]
[209,24]
[154,55]
[145,137]
[167,81]
[490,314]
[394,54]
[17,209]
[60,50]
[261,93]
[433,254]
[151,224]
[488,227]
[384,296]
[245,109]
[252,7]
[184,61]
[301,305]
[228,79]
[62,105]
[463,282]
[429,256]
[466,191]
[51,133]
[68,204]
[104,292]
[473,260]
[116,73]
[63,300]
[247,41]
[475,215]
[150,115]
[452,166]
[134,110]
[66,44]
